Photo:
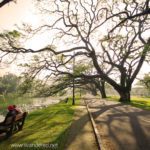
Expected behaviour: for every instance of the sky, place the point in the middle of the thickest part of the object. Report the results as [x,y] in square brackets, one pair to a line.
[23,11]
[12,14]
[16,13]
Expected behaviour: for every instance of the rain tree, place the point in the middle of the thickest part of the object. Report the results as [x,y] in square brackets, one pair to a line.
[110,34]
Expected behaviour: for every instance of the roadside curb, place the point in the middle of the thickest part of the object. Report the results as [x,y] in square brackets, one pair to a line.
[97,136]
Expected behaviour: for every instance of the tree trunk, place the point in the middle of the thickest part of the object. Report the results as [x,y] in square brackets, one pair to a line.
[73,93]
[100,85]
[124,96]
[102,89]
[94,92]
[103,93]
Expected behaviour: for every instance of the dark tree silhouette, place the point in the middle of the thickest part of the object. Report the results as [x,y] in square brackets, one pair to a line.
[4,2]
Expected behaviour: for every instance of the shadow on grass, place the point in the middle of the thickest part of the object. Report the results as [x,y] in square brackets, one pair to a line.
[141,104]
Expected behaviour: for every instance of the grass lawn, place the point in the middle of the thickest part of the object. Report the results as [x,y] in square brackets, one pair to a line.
[45,126]
[141,102]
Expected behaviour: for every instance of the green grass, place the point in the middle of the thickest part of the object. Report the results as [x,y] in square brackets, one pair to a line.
[77,100]
[140,102]
[48,125]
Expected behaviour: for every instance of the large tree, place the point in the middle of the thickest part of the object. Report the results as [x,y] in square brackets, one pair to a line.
[104,32]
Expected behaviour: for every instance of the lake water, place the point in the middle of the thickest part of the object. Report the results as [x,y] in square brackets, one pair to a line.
[36,103]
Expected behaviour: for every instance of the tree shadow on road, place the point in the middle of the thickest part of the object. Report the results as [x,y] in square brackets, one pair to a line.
[126,126]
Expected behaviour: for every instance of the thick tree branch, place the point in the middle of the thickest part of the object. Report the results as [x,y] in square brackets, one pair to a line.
[4,2]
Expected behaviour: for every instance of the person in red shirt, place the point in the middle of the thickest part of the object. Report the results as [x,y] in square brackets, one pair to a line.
[11,112]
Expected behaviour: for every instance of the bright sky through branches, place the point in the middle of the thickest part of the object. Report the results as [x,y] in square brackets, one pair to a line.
[23,11]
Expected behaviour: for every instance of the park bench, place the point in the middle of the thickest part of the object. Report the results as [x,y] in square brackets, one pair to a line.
[12,125]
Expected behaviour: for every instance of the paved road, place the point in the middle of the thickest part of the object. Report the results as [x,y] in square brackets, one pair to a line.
[81,135]
[121,127]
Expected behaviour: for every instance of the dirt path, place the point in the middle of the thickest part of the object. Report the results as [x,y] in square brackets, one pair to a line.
[121,127]
[81,135]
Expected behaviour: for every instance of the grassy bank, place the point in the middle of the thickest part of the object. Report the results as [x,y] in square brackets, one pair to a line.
[46,126]
[141,102]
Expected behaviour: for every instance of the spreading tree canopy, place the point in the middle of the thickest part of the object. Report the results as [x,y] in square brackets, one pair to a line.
[110,34]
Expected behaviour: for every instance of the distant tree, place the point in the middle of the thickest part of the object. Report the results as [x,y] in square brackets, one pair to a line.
[146,81]
[64,83]
[65,80]
[8,83]
[25,86]
[32,87]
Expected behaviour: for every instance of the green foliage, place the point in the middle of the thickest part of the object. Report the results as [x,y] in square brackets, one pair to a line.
[1,35]
[59,86]
[60,58]
[14,34]
[25,86]
[146,81]
[34,87]
[10,34]
[8,83]
[147,47]
[81,68]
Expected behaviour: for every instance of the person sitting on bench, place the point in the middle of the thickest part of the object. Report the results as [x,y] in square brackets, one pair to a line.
[18,111]
[11,112]
[12,123]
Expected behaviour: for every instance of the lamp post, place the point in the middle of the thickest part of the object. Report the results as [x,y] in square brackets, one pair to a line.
[73,83]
